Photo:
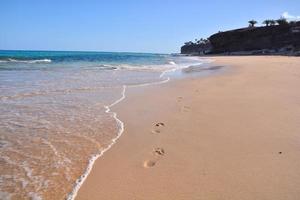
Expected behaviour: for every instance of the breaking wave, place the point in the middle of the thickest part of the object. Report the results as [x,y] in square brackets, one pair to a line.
[11,60]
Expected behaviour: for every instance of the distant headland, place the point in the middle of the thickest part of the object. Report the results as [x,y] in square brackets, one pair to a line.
[277,37]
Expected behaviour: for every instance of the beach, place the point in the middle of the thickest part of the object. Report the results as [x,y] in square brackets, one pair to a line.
[56,113]
[232,135]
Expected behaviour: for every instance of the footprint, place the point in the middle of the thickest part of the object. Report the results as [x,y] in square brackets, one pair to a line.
[156,131]
[179,99]
[149,163]
[158,127]
[185,108]
[159,151]
[159,124]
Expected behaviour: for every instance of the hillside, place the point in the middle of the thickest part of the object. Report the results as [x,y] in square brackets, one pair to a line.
[277,39]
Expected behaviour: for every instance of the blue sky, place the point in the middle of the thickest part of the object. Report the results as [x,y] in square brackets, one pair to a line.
[160,26]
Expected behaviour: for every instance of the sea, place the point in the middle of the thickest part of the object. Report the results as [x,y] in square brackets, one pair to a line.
[56,118]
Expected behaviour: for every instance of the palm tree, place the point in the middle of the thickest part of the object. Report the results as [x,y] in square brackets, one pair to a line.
[188,43]
[252,23]
[272,22]
[267,22]
[282,21]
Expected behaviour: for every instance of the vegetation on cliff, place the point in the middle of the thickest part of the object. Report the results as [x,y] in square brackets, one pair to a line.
[276,37]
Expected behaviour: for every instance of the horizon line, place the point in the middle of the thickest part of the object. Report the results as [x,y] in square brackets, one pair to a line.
[94,51]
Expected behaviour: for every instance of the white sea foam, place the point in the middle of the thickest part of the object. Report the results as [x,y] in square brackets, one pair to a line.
[141,67]
[128,67]
[26,61]
[92,160]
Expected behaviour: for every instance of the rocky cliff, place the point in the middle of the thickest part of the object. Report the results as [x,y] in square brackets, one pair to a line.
[196,48]
[278,39]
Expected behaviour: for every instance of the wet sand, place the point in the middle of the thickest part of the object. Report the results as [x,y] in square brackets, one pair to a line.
[234,136]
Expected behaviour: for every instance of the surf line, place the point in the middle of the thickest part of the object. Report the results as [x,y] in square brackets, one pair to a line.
[72,195]
[82,178]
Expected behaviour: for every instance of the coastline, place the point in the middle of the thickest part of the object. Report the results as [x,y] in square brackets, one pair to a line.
[208,146]
[73,194]
[83,177]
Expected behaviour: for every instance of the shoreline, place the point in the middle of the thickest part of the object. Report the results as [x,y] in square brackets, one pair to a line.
[128,159]
[72,195]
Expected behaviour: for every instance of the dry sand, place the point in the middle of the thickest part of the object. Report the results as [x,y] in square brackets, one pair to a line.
[234,136]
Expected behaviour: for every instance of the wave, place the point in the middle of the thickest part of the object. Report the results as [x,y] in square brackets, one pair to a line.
[128,67]
[149,68]
[11,60]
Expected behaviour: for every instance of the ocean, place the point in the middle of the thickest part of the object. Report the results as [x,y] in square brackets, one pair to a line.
[56,118]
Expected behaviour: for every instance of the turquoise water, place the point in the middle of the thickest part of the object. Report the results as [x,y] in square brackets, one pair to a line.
[27,59]
[55,116]
[64,56]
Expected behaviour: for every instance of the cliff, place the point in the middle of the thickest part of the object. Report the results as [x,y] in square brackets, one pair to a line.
[194,48]
[277,39]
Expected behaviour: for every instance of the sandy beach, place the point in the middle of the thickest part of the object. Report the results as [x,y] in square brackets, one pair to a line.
[233,135]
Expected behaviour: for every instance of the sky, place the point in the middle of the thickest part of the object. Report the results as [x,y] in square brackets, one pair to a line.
[156,26]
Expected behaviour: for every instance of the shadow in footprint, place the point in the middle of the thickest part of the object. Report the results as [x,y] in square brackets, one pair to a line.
[158,127]
[159,151]
[149,163]
[179,99]
[159,124]
[185,108]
